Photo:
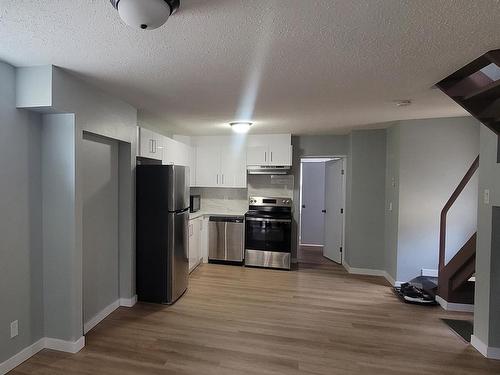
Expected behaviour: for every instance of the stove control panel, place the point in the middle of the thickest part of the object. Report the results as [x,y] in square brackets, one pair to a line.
[270,201]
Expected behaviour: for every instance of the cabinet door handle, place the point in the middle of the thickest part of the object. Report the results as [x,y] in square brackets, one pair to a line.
[151,146]
[271,156]
[217,179]
[265,156]
[222,179]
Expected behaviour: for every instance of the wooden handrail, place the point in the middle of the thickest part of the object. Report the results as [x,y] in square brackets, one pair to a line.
[442,229]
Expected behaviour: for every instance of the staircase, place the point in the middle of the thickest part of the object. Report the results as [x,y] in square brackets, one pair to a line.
[454,284]
[476,87]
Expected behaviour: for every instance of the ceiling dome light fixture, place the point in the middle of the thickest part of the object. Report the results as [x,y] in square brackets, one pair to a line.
[240,126]
[145,14]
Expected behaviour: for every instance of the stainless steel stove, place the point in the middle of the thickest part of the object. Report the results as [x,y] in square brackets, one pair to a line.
[268,229]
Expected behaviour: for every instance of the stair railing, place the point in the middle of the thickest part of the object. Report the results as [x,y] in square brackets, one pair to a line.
[442,230]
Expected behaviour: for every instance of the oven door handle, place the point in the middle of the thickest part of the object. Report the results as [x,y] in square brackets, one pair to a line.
[268,220]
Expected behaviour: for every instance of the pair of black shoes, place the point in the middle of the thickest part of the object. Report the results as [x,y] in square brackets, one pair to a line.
[413,294]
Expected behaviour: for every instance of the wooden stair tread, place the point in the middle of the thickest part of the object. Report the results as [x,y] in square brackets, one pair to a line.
[487,92]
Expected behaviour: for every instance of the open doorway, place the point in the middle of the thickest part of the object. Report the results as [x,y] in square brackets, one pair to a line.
[100,242]
[322,207]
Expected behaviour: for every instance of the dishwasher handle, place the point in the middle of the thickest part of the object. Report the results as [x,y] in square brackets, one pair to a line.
[227,219]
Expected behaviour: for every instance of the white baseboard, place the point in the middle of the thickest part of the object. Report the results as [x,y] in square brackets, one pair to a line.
[65,346]
[458,307]
[371,272]
[101,315]
[128,302]
[429,272]
[43,343]
[487,351]
[22,356]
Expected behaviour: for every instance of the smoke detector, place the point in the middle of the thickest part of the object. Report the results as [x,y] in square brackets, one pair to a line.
[403,103]
[145,14]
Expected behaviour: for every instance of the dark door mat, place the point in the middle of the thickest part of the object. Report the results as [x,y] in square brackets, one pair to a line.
[463,328]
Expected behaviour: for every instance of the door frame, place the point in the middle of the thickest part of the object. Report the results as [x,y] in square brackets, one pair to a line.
[344,185]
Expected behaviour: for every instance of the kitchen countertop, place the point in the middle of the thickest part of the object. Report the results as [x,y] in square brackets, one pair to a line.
[202,213]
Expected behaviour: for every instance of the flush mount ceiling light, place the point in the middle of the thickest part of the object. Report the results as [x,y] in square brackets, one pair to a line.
[403,103]
[145,14]
[240,126]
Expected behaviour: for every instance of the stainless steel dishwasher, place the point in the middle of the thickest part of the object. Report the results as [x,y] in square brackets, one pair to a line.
[226,238]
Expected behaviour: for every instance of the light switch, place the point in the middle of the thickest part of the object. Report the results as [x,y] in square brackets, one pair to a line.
[14,329]
[486,196]
[390,206]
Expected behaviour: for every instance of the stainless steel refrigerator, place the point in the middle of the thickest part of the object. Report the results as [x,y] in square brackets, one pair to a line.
[162,209]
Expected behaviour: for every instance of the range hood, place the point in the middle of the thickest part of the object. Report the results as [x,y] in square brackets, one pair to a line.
[268,169]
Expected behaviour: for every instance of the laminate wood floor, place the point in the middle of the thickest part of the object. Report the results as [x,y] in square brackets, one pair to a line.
[232,320]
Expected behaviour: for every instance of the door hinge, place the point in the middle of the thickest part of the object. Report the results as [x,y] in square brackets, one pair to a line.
[340,248]
[341,210]
[342,172]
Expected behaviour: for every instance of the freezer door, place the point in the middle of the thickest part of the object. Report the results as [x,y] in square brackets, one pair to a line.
[234,241]
[178,191]
[216,240]
[178,257]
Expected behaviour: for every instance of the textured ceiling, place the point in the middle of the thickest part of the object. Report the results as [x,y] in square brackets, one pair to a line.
[300,66]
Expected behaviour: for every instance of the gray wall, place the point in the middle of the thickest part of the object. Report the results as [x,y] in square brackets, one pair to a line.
[100,224]
[59,226]
[308,146]
[20,221]
[365,228]
[88,109]
[392,199]
[487,301]
[434,156]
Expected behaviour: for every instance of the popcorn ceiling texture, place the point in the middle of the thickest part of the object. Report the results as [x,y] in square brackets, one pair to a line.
[322,66]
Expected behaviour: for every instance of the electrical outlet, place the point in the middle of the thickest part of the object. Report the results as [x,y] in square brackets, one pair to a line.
[486,196]
[14,329]
[390,206]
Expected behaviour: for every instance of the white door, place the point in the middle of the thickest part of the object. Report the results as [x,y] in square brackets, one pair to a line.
[194,244]
[233,167]
[334,206]
[257,155]
[313,204]
[280,154]
[208,166]
[146,147]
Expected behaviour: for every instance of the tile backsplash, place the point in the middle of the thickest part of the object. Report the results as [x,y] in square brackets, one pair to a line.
[222,200]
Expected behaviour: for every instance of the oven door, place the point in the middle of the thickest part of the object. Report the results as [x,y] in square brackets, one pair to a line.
[268,234]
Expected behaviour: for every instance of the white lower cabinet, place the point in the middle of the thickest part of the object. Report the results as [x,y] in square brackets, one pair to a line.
[195,242]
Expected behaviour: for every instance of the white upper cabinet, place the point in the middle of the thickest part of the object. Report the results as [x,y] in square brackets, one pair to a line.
[175,153]
[208,166]
[269,149]
[220,162]
[150,144]
[257,155]
[233,166]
